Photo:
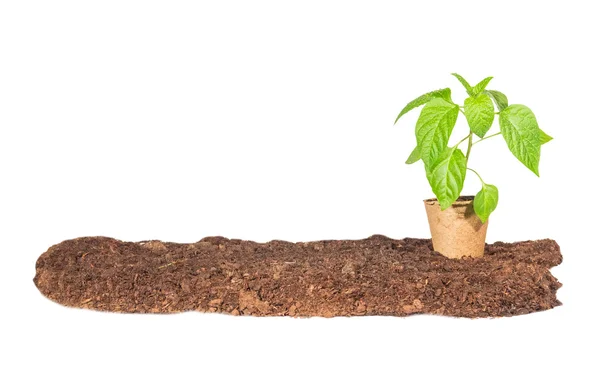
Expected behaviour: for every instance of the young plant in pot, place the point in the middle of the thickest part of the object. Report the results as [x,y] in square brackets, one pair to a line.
[459,223]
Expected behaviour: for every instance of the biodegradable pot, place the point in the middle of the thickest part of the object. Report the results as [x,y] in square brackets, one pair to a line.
[457,231]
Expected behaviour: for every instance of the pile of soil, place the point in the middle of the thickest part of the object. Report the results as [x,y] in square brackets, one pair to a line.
[373,276]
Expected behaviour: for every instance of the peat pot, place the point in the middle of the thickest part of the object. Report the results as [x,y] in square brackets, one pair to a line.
[457,231]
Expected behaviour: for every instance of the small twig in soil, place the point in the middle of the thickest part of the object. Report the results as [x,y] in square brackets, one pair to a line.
[172,263]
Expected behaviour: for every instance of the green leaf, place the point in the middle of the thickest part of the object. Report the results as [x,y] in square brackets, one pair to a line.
[485,201]
[422,100]
[434,127]
[481,86]
[545,138]
[415,156]
[522,135]
[447,176]
[499,98]
[464,83]
[479,111]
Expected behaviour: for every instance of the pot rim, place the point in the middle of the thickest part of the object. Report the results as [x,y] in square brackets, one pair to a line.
[461,201]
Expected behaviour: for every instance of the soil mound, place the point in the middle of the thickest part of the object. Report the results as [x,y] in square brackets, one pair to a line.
[373,276]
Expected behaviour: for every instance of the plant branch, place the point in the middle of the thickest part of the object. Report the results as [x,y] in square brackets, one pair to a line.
[484,138]
[476,173]
[462,140]
[470,145]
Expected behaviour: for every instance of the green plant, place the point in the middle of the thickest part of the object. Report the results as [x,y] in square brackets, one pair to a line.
[446,167]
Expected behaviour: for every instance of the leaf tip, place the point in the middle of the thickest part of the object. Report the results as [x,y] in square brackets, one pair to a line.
[445,205]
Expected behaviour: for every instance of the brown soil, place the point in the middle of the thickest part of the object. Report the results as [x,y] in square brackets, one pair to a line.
[374,276]
[461,198]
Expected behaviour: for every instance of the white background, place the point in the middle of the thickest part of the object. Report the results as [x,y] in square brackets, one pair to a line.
[266,120]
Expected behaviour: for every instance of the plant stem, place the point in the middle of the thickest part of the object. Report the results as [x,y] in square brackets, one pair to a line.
[462,140]
[470,145]
[479,176]
[490,136]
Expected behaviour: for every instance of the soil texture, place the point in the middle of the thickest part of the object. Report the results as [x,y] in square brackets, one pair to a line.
[373,276]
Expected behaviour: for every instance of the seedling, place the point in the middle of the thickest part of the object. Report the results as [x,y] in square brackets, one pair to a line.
[446,167]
